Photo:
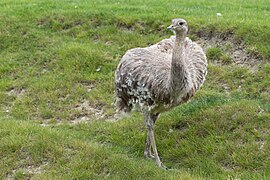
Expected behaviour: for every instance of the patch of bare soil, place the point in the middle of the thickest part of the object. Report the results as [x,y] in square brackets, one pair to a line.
[235,49]
[28,170]
[17,94]
[87,112]
[88,85]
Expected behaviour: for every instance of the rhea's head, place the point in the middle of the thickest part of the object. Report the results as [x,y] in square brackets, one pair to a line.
[179,26]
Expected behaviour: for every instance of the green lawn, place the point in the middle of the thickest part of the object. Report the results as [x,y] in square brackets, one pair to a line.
[57,63]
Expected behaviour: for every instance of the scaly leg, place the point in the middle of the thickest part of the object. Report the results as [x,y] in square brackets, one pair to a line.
[150,121]
[147,152]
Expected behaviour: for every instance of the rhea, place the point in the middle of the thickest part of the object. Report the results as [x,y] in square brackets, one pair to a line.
[160,77]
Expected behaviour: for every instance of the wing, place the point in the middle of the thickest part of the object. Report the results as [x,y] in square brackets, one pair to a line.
[196,62]
[142,75]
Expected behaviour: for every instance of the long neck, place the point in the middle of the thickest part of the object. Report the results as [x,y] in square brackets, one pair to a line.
[179,73]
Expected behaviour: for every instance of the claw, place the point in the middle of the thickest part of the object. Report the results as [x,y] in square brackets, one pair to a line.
[148,155]
[163,166]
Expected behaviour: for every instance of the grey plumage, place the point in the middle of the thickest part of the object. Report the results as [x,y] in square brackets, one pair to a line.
[160,77]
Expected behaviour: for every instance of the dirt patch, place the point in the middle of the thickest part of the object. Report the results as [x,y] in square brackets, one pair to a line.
[36,169]
[28,171]
[235,49]
[87,112]
[89,85]
[17,94]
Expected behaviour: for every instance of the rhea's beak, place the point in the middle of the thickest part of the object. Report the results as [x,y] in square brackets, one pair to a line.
[170,27]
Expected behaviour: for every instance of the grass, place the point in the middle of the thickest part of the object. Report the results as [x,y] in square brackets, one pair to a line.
[63,153]
[56,55]
[215,54]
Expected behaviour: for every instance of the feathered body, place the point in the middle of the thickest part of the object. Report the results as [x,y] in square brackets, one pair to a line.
[160,77]
[143,76]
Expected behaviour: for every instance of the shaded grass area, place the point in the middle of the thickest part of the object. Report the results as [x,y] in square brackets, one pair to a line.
[54,55]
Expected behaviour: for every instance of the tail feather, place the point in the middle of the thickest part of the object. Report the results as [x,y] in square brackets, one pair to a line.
[121,106]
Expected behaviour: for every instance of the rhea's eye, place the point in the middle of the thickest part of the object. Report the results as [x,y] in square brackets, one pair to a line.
[181,23]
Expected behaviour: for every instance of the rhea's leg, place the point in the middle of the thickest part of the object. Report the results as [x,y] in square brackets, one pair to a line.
[148,151]
[150,120]
[150,128]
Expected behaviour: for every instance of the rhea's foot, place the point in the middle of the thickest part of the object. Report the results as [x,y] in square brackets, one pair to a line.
[148,155]
[161,165]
